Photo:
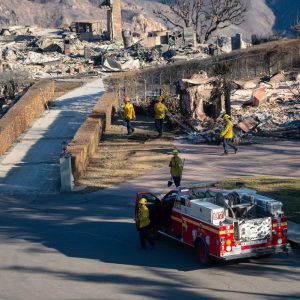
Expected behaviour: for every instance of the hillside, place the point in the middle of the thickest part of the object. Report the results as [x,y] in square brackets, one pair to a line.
[285,12]
[138,14]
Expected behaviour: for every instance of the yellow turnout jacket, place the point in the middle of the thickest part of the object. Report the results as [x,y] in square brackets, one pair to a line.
[227,133]
[176,166]
[129,113]
[160,111]
[143,216]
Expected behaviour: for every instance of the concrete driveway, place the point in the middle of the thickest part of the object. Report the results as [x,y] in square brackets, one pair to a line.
[205,163]
[32,165]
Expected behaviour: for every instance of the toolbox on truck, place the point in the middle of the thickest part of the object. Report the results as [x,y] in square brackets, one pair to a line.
[207,211]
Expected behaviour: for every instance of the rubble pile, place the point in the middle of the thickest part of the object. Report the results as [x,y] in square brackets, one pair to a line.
[19,30]
[62,53]
[138,56]
[278,116]
[44,57]
[268,109]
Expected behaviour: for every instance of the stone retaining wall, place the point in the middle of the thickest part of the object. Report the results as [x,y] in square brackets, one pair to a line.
[20,117]
[86,140]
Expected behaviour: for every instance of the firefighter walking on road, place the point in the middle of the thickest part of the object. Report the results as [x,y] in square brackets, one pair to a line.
[160,113]
[129,115]
[144,224]
[176,167]
[227,135]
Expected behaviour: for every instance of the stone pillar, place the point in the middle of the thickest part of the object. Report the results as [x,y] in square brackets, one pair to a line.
[87,52]
[127,38]
[67,47]
[236,42]
[66,177]
[114,21]
[189,36]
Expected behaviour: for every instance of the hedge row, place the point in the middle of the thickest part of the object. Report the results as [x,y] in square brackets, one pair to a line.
[86,139]
[20,117]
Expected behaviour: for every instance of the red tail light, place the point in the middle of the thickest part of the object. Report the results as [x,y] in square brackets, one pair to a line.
[279,230]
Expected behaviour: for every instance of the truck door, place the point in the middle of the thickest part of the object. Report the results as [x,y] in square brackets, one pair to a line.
[171,216]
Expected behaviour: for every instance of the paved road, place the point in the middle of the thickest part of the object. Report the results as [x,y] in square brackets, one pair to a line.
[85,247]
[205,163]
[32,165]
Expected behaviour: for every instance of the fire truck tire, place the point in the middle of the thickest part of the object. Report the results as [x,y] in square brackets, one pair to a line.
[202,252]
[156,235]
[265,255]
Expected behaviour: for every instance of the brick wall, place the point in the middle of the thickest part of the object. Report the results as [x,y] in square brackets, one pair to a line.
[20,117]
[86,140]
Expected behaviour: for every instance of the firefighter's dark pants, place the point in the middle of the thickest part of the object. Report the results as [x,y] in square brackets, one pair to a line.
[177,180]
[228,142]
[129,126]
[159,126]
[145,236]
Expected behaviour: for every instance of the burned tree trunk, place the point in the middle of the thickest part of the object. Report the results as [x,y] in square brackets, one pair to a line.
[227,92]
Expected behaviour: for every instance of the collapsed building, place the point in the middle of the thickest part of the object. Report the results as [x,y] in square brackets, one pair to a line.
[87,30]
[258,108]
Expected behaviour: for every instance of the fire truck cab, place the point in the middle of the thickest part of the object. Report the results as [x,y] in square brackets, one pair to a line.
[225,224]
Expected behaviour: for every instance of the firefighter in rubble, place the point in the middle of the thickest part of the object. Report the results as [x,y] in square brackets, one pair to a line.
[227,135]
[144,224]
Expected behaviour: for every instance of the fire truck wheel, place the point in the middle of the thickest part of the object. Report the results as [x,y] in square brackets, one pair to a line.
[265,255]
[156,235]
[202,252]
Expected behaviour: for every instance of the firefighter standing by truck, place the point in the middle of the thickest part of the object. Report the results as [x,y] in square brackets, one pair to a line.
[227,135]
[144,224]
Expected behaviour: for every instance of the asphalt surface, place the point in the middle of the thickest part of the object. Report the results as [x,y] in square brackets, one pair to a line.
[206,163]
[85,246]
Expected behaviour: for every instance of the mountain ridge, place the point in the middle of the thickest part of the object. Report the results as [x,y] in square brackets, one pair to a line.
[263,15]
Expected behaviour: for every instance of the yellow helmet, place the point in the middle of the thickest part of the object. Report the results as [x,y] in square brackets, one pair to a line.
[226,116]
[143,201]
[159,98]
[175,152]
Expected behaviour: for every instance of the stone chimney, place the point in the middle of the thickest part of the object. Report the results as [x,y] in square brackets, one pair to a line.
[114,21]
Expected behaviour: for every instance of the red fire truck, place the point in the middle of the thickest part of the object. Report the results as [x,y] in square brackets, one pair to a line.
[225,224]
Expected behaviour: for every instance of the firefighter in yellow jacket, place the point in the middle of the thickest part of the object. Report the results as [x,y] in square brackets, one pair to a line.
[176,167]
[144,224]
[160,111]
[129,115]
[227,135]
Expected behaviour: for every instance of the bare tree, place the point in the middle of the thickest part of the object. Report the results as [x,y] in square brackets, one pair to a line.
[205,16]
[11,81]
[296,29]
[183,13]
